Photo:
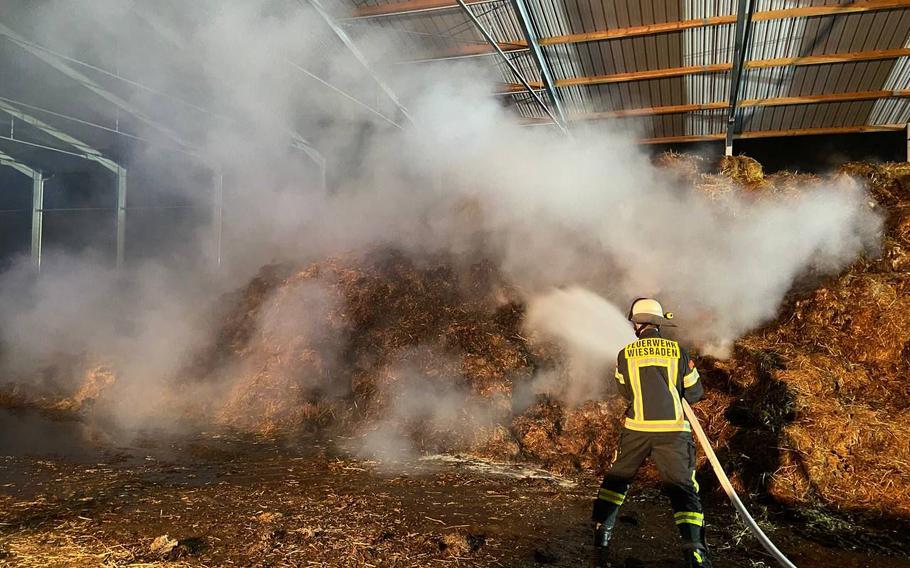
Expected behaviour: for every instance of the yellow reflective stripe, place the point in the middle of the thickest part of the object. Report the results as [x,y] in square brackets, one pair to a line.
[672,367]
[690,517]
[673,375]
[638,403]
[695,483]
[690,379]
[611,496]
[698,556]
[620,378]
[657,425]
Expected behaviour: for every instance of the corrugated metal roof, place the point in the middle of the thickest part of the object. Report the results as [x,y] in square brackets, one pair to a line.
[437,31]
[894,111]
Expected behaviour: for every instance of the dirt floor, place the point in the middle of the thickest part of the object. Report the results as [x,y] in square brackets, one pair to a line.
[69,498]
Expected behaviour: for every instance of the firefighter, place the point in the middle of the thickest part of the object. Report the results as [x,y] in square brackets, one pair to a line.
[654,374]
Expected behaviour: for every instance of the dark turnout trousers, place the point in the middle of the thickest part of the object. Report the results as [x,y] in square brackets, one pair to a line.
[674,455]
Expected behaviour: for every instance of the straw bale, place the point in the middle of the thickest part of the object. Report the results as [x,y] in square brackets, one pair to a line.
[743,170]
[685,167]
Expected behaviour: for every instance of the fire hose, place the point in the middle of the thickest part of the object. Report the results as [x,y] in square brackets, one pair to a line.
[731,493]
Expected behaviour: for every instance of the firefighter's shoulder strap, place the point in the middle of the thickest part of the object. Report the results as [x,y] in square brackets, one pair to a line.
[731,493]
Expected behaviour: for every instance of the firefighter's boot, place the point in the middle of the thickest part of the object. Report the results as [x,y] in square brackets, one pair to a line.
[602,533]
[696,557]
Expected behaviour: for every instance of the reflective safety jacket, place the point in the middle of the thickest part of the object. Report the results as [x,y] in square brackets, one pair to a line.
[653,375]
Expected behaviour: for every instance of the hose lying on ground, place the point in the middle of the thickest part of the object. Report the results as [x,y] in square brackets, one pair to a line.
[728,489]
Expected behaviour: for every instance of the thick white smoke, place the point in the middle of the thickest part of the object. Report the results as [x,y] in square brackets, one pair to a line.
[590,330]
[552,211]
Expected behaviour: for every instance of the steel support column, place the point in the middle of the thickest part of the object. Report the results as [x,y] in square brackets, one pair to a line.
[89,153]
[37,218]
[524,16]
[515,71]
[741,45]
[121,215]
[37,203]
[217,215]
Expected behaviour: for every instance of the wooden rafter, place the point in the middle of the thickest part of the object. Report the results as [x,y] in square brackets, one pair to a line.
[722,105]
[722,67]
[410,7]
[643,75]
[668,27]
[777,133]
[418,6]
[515,88]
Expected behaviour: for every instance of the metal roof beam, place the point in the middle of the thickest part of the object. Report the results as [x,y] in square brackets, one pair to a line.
[88,83]
[511,64]
[527,27]
[9,161]
[722,67]
[359,56]
[669,27]
[410,7]
[87,151]
[472,50]
[164,30]
[740,47]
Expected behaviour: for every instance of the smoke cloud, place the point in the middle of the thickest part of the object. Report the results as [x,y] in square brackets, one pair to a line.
[589,213]
[590,330]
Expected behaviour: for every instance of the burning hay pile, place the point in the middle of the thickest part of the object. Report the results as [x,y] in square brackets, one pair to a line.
[820,397]
[805,407]
[405,355]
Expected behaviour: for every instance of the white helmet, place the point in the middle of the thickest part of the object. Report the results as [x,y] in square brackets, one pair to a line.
[649,310]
